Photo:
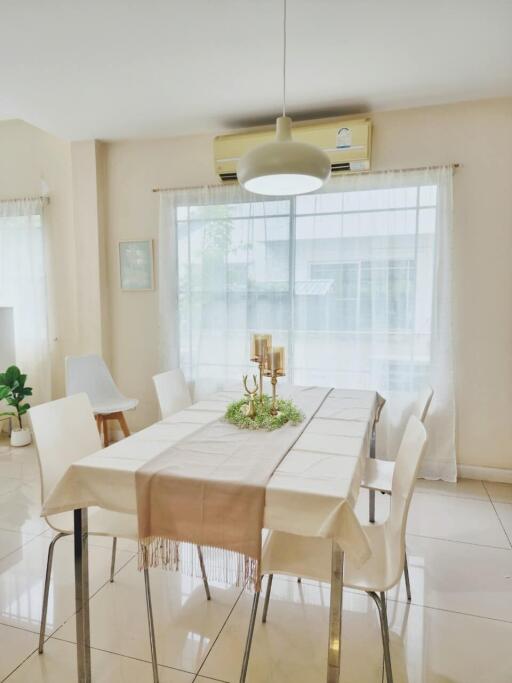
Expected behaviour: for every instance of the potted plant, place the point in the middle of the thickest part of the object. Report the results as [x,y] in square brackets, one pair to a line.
[13,391]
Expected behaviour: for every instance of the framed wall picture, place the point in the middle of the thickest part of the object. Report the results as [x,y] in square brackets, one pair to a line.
[136,265]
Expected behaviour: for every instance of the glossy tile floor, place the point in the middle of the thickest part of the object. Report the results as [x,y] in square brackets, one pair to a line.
[458,628]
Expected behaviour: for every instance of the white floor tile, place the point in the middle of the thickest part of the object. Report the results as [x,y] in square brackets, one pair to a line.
[456,519]
[10,541]
[186,623]
[427,645]
[15,646]
[292,645]
[22,580]
[464,488]
[58,665]
[9,484]
[434,646]
[19,463]
[504,511]
[19,512]
[460,577]
[499,493]
[439,515]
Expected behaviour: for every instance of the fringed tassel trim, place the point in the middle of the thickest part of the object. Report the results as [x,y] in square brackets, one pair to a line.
[222,566]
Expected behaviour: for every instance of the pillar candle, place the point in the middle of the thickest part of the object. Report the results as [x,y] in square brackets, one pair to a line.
[276,359]
[260,346]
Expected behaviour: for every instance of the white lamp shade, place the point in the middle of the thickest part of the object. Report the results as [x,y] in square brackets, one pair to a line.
[284,167]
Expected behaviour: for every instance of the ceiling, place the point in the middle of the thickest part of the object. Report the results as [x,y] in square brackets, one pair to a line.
[111,69]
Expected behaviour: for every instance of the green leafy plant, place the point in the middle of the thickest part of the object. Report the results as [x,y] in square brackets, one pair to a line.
[287,412]
[13,391]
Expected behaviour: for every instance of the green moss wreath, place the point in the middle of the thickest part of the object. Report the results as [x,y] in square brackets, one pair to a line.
[287,412]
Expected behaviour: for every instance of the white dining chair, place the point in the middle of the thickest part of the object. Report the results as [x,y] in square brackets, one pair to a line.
[172,392]
[64,432]
[90,374]
[294,555]
[378,473]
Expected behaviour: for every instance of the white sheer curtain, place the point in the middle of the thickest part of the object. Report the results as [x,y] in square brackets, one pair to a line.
[23,287]
[355,281]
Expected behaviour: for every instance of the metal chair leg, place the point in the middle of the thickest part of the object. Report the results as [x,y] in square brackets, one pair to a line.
[151,626]
[387,652]
[46,592]
[113,561]
[371,512]
[250,633]
[203,572]
[373,455]
[267,598]
[384,628]
[335,613]
[407,579]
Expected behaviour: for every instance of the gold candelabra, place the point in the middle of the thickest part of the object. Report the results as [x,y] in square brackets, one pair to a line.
[274,369]
[270,364]
[261,344]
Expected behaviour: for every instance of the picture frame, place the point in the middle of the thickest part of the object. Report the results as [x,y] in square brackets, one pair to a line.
[136,265]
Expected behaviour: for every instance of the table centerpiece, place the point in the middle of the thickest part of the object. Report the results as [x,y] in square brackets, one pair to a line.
[256,410]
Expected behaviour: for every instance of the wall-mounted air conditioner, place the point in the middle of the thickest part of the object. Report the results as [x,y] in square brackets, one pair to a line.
[346,141]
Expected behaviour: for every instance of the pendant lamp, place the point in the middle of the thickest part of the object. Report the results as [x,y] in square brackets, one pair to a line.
[284,167]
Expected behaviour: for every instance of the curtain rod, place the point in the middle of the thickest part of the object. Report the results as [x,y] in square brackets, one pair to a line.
[43,198]
[391,170]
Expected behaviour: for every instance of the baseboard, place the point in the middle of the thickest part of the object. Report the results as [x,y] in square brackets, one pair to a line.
[485,473]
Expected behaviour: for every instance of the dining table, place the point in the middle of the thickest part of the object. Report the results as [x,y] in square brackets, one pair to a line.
[312,491]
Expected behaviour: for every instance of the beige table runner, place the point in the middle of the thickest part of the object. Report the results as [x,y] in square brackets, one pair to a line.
[209,490]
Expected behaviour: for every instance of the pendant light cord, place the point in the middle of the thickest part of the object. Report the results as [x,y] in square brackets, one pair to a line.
[284,57]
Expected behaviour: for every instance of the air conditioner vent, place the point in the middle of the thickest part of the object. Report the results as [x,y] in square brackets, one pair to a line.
[228,177]
[341,166]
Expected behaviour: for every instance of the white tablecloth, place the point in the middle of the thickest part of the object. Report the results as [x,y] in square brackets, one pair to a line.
[312,492]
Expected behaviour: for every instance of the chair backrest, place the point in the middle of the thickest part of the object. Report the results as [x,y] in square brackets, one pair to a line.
[408,460]
[90,374]
[172,392]
[422,403]
[64,431]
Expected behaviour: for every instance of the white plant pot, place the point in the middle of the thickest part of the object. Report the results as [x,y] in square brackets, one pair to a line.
[20,437]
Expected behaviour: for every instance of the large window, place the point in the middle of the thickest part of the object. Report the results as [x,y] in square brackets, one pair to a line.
[351,284]
[343,279]
[355,282]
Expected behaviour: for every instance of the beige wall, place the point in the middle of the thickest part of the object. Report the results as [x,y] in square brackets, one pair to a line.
[90,268]
[132,170]
[477,135]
